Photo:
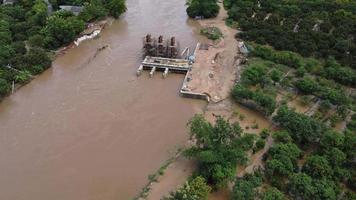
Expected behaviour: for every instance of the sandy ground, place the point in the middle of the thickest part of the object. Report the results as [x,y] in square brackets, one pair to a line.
[214,71]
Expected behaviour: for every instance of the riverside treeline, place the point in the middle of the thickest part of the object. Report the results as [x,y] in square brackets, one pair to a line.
[29,31]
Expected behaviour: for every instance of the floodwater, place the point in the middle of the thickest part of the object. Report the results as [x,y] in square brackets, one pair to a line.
[88,128]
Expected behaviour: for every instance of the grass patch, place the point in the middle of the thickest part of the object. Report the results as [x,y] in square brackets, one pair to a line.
[212,33]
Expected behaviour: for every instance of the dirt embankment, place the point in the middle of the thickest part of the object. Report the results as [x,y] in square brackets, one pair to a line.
[217,63]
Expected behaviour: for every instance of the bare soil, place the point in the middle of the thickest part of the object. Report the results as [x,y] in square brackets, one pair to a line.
[215,69]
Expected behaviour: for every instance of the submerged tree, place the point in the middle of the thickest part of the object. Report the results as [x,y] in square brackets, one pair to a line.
[216,149]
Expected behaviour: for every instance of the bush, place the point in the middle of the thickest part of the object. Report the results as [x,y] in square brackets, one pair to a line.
[194,189]
[37,57]
[265,133]
[93,11]
[303,129]
[245,187]
[216,150]
[282,137]
[265,103]
[272,193]
[5,87]
[202,8]
[116,7]
[23,77]
[260,144]
[212,33]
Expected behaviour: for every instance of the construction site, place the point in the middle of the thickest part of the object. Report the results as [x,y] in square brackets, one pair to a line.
[208,75]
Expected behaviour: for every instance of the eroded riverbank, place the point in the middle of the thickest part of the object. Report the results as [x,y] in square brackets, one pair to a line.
[87,128]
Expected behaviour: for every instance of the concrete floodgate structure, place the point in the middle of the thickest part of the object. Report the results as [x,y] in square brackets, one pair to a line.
[205,76]
[182,66]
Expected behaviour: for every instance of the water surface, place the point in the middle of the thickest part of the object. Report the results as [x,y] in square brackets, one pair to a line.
[88,128]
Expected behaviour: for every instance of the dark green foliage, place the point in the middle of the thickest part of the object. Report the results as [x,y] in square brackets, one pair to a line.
[265,133]
[301,186]
[203,8]
[307,86]
[272,193]
[116,8]
[27,22]
[38,57]
[352,124]
[245,187]
[36,40]
[260,144]
[93,10]
[194,189]
[212,33]
[303,129]
[325,27]
[282,137]
[335,71]
[276,75]
[317,167]
[332,139]
[300,72]
[62,29]
[264,102]
[254,74]
[4,87]
[281,162]
[216,149]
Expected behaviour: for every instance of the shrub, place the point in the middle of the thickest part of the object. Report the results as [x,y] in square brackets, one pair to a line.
[194,189]
[212,33]
[5,87]
[204,8]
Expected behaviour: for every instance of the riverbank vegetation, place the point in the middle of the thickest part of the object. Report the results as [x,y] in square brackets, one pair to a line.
[202,8]
[31,30]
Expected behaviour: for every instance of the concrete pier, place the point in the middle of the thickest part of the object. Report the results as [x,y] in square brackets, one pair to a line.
[183,66]
[152,71]
[165,73]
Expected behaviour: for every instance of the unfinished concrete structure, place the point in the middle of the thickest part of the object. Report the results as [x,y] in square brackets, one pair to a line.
[160,47]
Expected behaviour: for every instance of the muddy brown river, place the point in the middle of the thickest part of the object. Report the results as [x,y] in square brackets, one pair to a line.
[88,128]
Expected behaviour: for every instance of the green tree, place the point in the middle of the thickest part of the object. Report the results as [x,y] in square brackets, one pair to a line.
[215,149]
[37,57]
[245,187]
[23,77]
[272,193]
[332,139]
[194,189]
[301,186]
[282,137]
[317,166]
[5,87]
[276,75]
[116,7]
[303,129]
[94,10]
[307,86]
[204,8]
[61,30]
